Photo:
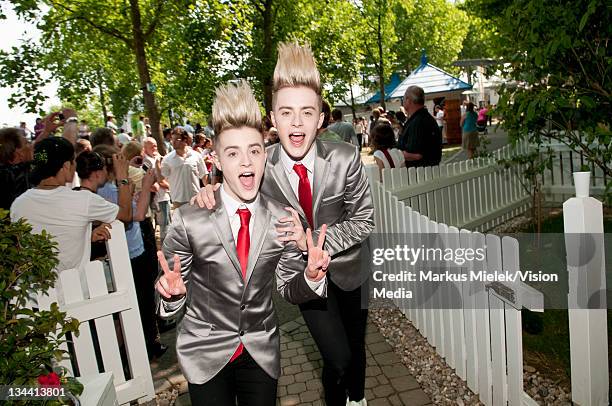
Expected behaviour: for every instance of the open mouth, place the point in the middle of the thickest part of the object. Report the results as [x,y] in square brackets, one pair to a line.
[297,139]
[247,180]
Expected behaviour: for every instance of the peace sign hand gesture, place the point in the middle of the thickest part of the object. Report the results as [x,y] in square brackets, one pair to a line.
[318,258]
[171,282]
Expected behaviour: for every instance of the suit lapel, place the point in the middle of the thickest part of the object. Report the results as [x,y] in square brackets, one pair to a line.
[223,229]
[321,171]
[260,229]
[280,177]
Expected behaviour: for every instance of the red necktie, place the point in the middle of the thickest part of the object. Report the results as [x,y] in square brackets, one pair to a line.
[243,243]
[304,192]
[242,248]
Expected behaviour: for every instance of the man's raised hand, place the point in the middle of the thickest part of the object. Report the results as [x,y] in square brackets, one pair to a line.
[318,258]
[205,197]
[290,229]
[120,166]
[101,233]
[171,282]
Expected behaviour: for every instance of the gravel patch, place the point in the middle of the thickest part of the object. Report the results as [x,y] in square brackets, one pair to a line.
[435,377]
[544,390]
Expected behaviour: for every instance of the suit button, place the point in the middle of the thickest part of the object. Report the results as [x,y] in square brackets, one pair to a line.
[241,332]
[242,307]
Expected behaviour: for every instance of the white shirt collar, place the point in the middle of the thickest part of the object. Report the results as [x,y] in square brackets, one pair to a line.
[232,205]
[308,160]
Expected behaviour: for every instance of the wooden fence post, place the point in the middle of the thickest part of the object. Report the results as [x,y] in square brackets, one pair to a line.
[583,217]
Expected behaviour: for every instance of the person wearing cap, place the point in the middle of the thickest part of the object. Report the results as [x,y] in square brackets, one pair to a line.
[109,122]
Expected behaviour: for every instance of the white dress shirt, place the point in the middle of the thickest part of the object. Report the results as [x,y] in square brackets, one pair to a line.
[308,161]
[231,206]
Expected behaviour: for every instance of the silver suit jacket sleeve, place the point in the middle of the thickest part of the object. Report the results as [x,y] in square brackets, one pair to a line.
[176,242]
[359,220]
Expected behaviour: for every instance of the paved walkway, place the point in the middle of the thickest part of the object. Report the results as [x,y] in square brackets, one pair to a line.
[388,381]
[496,139]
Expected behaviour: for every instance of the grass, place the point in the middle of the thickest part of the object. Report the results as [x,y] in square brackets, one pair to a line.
[546,335]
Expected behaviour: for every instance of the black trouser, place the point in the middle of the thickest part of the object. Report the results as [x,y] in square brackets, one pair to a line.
[144,278]
[241,379]
[148,238]
[337,324]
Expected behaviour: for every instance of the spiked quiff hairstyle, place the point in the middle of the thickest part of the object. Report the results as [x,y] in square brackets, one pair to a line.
[235,106]
[296,66]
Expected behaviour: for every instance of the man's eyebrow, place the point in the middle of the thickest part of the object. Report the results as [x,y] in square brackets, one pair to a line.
[298,108]
[237,147]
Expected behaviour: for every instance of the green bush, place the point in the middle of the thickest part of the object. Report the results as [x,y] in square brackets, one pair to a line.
[29,339]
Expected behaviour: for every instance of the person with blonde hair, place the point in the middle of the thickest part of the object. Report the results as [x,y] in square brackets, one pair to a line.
[223,262]
[321,182]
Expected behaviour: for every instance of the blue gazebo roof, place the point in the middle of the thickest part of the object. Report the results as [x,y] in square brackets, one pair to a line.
[431,79]
[394,81]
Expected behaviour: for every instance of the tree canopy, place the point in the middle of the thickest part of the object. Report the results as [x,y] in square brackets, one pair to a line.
[558,62]
[158,56]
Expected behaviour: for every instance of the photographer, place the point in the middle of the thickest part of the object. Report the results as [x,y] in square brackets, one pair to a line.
[67,119]
[16,153]
[143,272]
[132,151]
[15,163]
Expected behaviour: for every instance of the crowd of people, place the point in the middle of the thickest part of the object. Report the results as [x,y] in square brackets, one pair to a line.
[73,183]
[222,245]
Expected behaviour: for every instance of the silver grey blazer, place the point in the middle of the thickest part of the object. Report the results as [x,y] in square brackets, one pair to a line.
[341,199]
[222,309]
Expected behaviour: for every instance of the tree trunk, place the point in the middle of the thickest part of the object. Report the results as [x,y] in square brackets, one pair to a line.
[267,54]
[381,65]
[352,101]
[102,99]
[144,75]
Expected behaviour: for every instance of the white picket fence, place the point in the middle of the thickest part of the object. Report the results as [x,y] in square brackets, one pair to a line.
[477,194]
[482,338]
[88,297]
[558,183]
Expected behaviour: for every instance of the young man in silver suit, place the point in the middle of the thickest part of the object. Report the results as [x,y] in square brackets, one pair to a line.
[222,266]
[322,183]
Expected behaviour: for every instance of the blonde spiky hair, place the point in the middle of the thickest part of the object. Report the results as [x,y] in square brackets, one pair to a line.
[296,66]
[235,106]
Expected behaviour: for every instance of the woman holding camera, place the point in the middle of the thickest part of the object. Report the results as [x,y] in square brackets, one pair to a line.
[142,270]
